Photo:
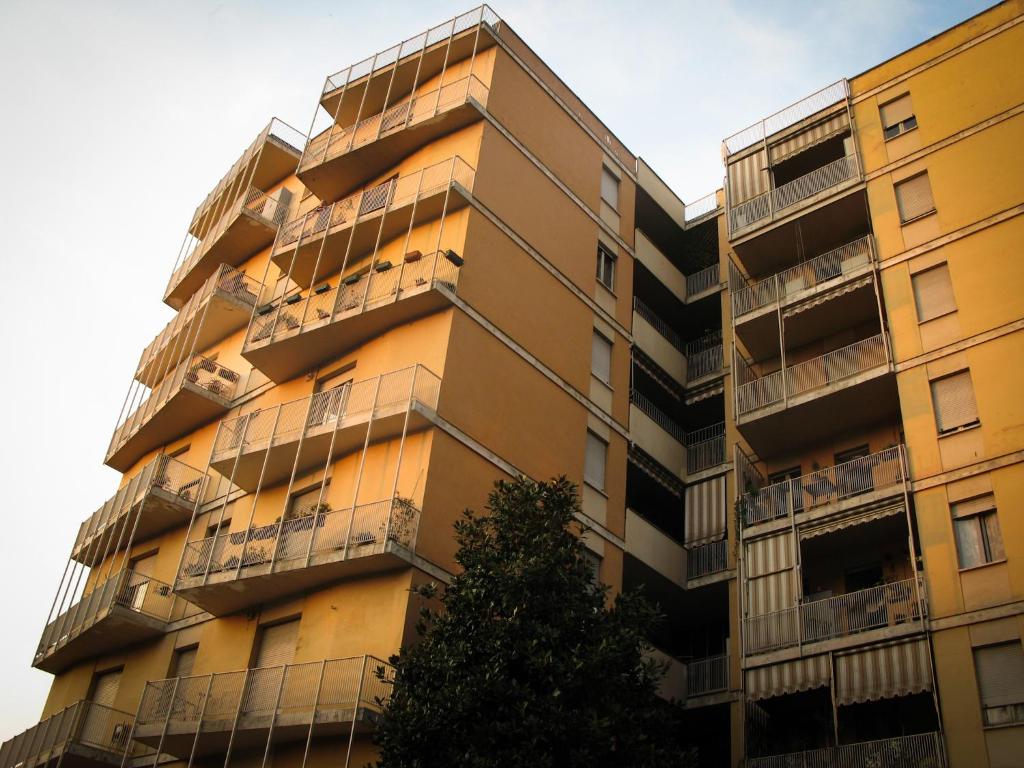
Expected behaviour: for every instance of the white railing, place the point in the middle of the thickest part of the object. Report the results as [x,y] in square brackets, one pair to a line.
[705,448]
[657,415]
[85,722]
[198,372]
[886,605]
[163,472]
[831,485]
[920,751]
[847,259]
[704,280]
[129,590]
[346,534]
[707,675]
[702,207]
[335,141]
[704,356]
[326,411]
[810,375]
[320,691]
[659,325]
[791,115]
[374,201]
[706,559]
[385,284]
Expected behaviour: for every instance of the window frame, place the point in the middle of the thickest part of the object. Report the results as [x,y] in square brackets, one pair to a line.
[606,171]
[591,481]
[1014,709]
[611,348]
[935,411]
[913,289]
[895,187]
[901,125]
[985,523]
[606,266]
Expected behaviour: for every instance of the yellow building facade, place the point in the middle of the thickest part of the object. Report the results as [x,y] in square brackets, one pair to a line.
[786,406]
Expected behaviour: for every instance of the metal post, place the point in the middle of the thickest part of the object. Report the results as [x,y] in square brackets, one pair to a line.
[387,94]
[362,462]
[312,716]
[355,713]
[398,462]
[341,393]
[167,722]
[444,66]
[348,251]
[393,186]
[408,234]
[316,266]
[362,102]
[291,479]
[238,714]
[273,715]
[199,721]
[334,117]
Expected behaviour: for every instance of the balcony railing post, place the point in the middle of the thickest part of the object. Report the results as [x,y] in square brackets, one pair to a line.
[362,461]
[355,705]
[291,481]
[362,102]
[259,485]
[242,694]
[440,87]
[316,703]
[273,714]
[167,722]
[199,720]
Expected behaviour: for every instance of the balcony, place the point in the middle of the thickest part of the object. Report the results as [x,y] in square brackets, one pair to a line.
[328,239]
[80,736]
[230,571]
[824,395]
[702,282]
[250,709]
[705,448]
[704,358]
[707,559]
[895,604]
[261,448]
[248,225]
[920,751]
[855,484]
[220,307]
[699,210]
[124,609]
[160,497]
[707,675]
[195,392]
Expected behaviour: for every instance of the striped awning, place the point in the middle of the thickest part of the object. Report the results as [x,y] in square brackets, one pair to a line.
[705,393]
[748,178]
[806,139]
[788,677]
[653,469]
[849,521]
[705,511]
[883,672]
[821,298]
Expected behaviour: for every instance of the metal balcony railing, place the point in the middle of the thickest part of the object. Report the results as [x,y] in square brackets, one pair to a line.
[704,356]
[702,207]
[336,141]
[128,590]
[920,751]
[164,473]
[794,113]
[705,448]
[659,325]
[831,485]
[102,730]
[886,605]
[754,393]
[362,292]
[775,202]
[345,534]
[785,285]
[372,201]
[227,282]
[701,281]
[707,559]
[707,675]
[197,372]
[331,691]
[658,416]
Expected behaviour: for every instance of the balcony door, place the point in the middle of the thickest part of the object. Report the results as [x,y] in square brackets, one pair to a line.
[138,582]
[275,648]
[99,721]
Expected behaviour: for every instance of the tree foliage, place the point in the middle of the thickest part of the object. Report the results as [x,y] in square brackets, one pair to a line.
[527,663]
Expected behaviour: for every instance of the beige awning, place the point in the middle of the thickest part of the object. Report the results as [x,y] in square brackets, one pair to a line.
[748,178]
[655,471]
[827,296]
[883,672]
[806,139]
[704,394]
[849,521]
[788,677]
[705,511]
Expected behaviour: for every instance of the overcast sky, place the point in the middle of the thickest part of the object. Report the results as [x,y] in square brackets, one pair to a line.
[119,117]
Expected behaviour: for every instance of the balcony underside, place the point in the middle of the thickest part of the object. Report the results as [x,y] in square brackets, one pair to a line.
[823,312]
[161,511]
[74,754]
[119,627]
[247,233]
[247,469]
[188,408]
[224,314]
[365,234]
[346,172]
[223,593]
[868,398]
[251,731]
[282,359]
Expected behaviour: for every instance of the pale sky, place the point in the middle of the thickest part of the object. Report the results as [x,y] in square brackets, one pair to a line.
[119,118]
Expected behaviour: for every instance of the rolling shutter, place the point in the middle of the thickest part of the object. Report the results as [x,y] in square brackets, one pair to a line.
[914,197]
[1000,672]
[933,293]
[953,400]
[277,645]
[896,111]
[184,662]
[104,689]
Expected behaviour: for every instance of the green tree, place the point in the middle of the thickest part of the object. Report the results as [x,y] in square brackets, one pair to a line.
[526,664]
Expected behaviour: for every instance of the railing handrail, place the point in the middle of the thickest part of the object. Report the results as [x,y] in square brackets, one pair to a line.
[658,416]
[659,325]
[923,745]
[707,558]
[707,674]
[702,280]
[700,207]
[791,115]
[67,725]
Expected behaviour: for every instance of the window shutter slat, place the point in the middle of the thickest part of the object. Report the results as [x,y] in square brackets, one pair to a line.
[594,461]
[973,506]
[1000,671]
[933,293]
[601,358]
[914,197]
[896,111]
[277,645]
[953,399]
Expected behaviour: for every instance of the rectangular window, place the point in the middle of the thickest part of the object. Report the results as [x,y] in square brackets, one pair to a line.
[305,503]
[897,117]
[594,463]
[978,539]
[914,197]
[953,401]
[601,358]
[1000,673]
[184,661]
[609,187]
[606,266]
[933,293]
[275,644]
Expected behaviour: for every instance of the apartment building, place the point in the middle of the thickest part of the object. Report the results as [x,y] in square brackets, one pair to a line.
[782,404]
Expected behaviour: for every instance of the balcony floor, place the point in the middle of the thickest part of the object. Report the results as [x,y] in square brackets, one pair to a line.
[117,628]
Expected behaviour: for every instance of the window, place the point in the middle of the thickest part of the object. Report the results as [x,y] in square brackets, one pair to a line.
[953,401]
[978,540]
[933,293]
[609,187]
[594,463]
[305,503]
[601,358]
[183,662]
[594,561]
[1000,673]
[275,644]
[914,198]
[605,266]
[897,117]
